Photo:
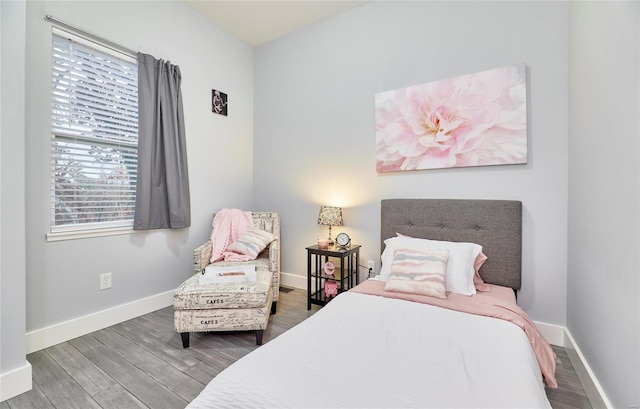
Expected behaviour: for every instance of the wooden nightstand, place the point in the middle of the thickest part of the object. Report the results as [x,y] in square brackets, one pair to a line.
[345,275]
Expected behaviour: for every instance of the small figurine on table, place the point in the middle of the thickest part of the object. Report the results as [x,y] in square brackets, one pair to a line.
[330,289]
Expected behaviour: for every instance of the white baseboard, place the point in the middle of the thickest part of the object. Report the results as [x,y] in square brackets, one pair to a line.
[560,336]
[64,331]
[293,280]
[554,334]
[15,382]
[592,387]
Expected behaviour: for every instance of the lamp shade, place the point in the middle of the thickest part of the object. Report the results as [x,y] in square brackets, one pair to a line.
[331,216]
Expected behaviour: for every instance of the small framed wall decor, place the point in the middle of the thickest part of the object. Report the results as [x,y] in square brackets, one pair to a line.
[219,102]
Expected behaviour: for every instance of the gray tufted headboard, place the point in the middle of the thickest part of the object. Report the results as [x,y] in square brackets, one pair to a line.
[494,224]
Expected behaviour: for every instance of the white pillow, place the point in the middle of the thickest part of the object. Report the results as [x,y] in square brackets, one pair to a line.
[460,267]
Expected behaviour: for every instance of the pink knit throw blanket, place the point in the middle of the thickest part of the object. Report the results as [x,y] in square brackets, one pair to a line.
[228,225]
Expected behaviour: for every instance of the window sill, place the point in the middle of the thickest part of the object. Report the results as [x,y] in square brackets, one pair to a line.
[72,235]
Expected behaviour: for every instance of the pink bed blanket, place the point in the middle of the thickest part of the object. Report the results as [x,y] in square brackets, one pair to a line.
[228,225]
[487,304]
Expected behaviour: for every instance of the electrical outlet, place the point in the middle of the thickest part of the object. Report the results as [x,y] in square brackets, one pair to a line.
[371,264]
[105,281]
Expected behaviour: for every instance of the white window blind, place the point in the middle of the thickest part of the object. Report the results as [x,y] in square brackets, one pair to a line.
[94,122]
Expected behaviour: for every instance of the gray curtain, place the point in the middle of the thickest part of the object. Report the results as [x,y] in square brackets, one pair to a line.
[162,194]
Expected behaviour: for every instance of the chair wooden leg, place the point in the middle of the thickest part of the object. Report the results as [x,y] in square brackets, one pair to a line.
[185,339]
[259,336]
[273,307]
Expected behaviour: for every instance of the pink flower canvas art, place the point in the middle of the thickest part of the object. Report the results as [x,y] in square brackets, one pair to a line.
[473,120]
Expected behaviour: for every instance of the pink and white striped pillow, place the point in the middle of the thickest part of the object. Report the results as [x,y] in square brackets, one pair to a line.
[252,242]
[418,272]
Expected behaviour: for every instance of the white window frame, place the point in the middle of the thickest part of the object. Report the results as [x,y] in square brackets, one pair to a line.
[84,230]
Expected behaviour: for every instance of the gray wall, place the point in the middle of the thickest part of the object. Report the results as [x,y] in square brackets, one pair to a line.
[63,277]
[12,215]
[314,125]
[603,312]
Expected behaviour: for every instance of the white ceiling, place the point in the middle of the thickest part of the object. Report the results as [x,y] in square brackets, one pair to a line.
[260,21]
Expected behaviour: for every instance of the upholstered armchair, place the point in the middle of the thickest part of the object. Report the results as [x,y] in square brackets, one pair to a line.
[231,307]
[269,259]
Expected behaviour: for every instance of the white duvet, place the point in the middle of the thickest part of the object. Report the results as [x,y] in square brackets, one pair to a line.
[364,351]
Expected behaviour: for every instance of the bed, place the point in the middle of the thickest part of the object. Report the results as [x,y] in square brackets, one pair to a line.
[387,349]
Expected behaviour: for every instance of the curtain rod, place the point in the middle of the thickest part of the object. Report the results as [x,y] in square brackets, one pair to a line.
[95,38]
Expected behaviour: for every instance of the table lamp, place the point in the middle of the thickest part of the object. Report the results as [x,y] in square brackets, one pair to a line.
[330,216]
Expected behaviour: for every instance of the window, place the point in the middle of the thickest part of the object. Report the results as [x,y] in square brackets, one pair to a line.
[94,122]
